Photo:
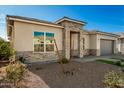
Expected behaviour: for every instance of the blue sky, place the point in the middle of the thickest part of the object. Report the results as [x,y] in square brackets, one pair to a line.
[104,18]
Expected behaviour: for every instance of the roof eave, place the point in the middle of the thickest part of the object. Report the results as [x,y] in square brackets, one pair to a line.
[34,22]
[108,34]
[66,19]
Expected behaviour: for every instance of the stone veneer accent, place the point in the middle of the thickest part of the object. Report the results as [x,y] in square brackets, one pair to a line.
[68,27]
[81,50]
[94,52]
[38,57]
[86,52]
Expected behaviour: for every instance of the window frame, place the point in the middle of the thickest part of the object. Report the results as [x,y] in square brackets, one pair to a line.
[44,43]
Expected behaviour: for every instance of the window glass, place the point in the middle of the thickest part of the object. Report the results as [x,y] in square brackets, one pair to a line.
[49,47]
[38,41]
[43,40]
[49,38]
[49,41]
[38,37]
[38,47]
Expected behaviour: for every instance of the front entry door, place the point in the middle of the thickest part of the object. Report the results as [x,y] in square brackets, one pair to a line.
[74,45]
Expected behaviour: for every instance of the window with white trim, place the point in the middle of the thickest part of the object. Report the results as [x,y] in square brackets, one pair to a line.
[43,41]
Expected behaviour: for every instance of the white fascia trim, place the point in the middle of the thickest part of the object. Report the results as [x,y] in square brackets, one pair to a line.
[27,21]
[69,20]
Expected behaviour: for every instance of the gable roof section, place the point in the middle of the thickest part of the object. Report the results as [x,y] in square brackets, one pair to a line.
[32,20]
[71,20]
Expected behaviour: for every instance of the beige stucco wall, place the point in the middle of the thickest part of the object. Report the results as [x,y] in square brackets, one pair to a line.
[23,36]
[93,43]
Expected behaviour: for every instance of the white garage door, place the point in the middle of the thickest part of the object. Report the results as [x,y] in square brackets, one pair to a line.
[106,47]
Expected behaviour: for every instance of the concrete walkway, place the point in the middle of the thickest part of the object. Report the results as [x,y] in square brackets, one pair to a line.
[84,59]
[93,58]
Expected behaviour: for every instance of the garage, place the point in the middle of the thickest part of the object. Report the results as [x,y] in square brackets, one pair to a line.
[106,47]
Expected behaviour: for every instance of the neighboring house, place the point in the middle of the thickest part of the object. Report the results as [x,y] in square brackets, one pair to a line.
[32,36]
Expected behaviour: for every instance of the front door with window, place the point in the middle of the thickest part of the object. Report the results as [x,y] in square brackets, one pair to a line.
[74,43]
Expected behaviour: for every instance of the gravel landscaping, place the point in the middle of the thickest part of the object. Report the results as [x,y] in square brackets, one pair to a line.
[77,75]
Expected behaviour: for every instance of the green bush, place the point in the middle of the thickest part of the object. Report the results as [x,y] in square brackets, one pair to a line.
[15,72]
[64,60]
[113,80]
[5,50]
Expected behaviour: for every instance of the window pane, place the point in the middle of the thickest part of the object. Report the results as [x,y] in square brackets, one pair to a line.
[39,41]
[50,47]
[49,38]
[38,37]
[39,47]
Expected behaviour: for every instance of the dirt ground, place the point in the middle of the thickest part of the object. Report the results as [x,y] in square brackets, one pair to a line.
[81,75]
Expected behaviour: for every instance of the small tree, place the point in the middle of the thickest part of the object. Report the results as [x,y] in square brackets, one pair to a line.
[5,50]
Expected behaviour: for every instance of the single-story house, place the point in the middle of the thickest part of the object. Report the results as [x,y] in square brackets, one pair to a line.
[30,36]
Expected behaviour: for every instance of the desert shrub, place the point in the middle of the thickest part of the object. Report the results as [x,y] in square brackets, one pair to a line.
[64,60]
[5,50]
[15,72]
[114,79]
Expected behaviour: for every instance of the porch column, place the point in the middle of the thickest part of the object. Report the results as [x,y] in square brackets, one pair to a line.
[98,45]
[81,44]
[115,46]
[67,43]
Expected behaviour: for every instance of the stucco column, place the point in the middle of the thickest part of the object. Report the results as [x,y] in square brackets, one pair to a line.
[81,44]
[67,43]
[122,46]
[97,45]
[115,45]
